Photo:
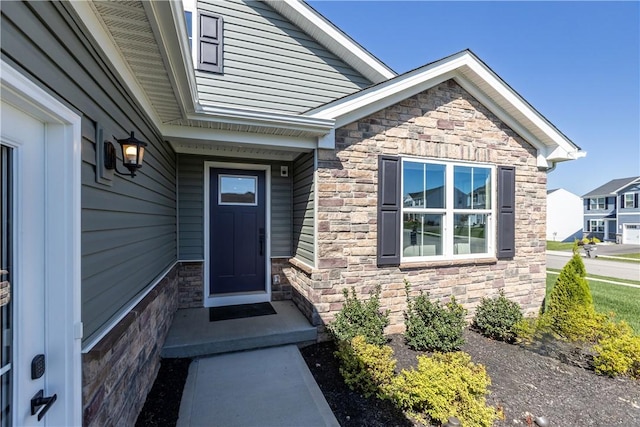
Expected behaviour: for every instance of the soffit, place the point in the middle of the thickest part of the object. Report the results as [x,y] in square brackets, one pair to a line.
[127,24]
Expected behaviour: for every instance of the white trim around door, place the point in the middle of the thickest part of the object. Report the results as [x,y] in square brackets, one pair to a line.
[61,246]
[244,298]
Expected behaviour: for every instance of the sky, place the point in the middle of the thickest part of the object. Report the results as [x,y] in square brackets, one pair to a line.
[577,63]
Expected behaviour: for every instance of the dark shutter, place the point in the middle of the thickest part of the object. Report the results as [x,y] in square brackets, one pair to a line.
[622,202]
[506,212]
[209,42]
[588,204]
[635,201]
[389,210]
[606,203]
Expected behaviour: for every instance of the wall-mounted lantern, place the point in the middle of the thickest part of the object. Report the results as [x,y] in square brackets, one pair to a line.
[132,154]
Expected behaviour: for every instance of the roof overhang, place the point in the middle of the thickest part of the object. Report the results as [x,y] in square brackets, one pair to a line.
[477,79]
[633,181]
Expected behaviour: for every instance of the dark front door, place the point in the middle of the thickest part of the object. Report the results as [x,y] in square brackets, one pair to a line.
[237,231]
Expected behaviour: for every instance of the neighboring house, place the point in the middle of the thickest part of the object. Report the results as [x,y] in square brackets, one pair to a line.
[277,146]
[564,216]
[612,213]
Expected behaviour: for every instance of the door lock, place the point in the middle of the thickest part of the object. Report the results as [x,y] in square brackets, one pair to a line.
[39,400]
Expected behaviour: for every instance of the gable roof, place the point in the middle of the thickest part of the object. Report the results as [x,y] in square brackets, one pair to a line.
[333,38]
[612,187]
[476,78]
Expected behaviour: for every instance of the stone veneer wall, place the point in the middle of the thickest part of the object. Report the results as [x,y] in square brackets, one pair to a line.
[444,122]
[281,291]
[190,284]
[119,371]
[191,280]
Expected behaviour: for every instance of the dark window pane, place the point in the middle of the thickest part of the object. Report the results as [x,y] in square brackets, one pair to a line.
[413,185]
[435,187]
[462,187]
[237,190]
[481,188]
[187,16]
[422,235]
[470,234]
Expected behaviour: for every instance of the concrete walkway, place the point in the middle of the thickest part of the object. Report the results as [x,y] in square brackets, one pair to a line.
[263,388]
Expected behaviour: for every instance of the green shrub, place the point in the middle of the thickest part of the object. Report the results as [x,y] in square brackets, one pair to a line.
[360,318]
[525,330]
[442,386]
[366,367]
[431,326]
[570,312]
[618,355]
[496,318]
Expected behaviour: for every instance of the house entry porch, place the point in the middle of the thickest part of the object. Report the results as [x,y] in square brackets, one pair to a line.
[193,335]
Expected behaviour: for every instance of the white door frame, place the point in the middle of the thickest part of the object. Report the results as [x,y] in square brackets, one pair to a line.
[244,298]
[62,213]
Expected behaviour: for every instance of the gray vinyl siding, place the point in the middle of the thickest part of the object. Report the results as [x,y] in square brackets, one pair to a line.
[128,229]
[191,206]
[270,64]
[303,208]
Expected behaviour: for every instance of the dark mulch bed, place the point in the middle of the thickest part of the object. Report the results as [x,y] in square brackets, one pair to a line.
[163,401]
[523,382]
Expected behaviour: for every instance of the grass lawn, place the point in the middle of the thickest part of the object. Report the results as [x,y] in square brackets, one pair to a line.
[559,246]
[624,301]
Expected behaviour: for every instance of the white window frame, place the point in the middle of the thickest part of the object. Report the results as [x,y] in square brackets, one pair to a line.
[597,203]
[629,200]
[448,212]
[593,225]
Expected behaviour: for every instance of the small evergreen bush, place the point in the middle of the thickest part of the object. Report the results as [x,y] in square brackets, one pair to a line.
[431,326]
[360,318]
[443,386]
[570,312]
[496,318]
[366,367]
[618,355]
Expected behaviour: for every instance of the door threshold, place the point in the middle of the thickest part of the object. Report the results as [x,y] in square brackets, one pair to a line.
[235,298]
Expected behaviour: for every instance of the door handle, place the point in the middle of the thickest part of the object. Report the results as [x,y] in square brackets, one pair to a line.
[39,400]
[261,240]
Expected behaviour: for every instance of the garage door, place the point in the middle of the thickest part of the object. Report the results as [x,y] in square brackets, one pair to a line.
[631,234]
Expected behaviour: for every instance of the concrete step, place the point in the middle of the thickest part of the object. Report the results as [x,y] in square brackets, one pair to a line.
[193,335]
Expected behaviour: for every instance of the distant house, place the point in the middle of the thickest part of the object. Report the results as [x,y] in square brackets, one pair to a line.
[282,161]
[612,212]
[564,216]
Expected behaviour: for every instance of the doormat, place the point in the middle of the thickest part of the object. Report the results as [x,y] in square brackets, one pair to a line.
[240,311]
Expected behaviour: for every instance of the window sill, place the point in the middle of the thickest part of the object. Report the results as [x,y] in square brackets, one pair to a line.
[446,263]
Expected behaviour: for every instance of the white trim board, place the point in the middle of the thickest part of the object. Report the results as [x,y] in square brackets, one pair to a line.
[244,298]
[62,215]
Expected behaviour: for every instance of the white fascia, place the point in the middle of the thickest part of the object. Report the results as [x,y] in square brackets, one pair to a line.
[181,135]
[237,116]
[554,148]
[333,39]
[94,26]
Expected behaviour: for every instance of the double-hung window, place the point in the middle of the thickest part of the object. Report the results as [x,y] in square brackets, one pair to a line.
[447,210]
[629,200]
[597,203]
[596,225]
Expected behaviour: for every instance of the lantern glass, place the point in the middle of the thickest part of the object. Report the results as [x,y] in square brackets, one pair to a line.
[132,154]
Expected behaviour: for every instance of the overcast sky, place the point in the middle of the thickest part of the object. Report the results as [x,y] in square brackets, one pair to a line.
[577,63]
